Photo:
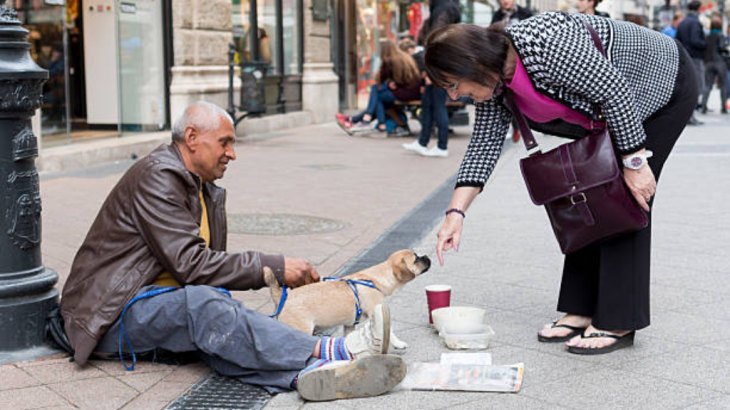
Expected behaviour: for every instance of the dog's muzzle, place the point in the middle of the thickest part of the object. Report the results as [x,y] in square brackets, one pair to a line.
[425,261]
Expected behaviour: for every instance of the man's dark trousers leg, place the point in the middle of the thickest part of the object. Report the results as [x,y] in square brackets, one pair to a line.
[233,340]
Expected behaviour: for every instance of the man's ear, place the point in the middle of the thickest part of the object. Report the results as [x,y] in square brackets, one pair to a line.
[191,137]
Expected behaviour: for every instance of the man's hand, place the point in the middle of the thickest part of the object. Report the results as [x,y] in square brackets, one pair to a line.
[298,272]
[392,85]
[642,184]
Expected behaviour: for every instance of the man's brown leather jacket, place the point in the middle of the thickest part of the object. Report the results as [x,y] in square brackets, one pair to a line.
[150,223]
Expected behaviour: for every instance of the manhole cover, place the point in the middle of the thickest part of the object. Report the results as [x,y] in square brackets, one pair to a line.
[281,224]
[218,392]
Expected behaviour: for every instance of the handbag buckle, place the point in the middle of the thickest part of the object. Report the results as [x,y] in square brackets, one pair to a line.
[534,150]
[581,199]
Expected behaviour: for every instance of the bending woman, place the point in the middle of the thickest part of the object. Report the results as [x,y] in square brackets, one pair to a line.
[645,90]
[397,79]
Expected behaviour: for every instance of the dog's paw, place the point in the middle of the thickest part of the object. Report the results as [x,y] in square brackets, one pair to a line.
[398,344]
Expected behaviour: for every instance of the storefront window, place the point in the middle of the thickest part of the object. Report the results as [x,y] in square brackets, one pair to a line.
[241,21]
[267,34]
[376,20]
[44,22]
[292,27]
[278,25]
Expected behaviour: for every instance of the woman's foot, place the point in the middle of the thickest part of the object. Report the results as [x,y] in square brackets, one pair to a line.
[367,118]
[563,329]
[597,341]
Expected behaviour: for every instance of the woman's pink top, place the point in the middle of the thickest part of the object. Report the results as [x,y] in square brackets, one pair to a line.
[538,107]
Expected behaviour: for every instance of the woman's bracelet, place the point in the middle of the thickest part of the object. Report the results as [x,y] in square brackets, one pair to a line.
[458,211]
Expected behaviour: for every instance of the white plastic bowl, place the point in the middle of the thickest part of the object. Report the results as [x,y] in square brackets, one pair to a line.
[459,318]
[478,337]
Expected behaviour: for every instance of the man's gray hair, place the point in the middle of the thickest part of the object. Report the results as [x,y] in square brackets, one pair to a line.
[202,115]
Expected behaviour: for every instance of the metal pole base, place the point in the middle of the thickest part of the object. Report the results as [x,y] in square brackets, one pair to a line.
[22,318]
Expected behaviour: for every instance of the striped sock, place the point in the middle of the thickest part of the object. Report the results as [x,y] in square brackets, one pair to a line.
[333,348]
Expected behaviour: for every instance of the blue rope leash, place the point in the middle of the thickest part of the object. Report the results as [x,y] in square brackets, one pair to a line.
[123,333]
[284,295]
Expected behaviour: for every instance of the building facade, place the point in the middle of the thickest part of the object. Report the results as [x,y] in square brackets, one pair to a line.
[129,67]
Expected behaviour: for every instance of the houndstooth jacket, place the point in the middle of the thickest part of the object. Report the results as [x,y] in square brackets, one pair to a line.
[632,82]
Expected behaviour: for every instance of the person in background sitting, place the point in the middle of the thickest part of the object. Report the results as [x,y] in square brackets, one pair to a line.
[397,79]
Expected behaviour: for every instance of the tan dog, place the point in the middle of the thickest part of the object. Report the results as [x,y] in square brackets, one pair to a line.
[323,305]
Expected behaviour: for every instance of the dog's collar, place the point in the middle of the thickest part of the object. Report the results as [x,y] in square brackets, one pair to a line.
[353,286]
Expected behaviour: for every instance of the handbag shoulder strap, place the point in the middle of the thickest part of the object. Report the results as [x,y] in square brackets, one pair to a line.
[527,137]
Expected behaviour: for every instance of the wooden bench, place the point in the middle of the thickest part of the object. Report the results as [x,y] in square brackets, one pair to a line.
[456,110]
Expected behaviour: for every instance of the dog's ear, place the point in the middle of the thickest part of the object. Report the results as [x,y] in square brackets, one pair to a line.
[402,269]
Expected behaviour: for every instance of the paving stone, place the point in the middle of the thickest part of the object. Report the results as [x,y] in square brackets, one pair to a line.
[721,403]
[674,326]
[12,377]
[143,381]
[166,391]
[285,400]
[614,389]
[65,371]
[115,367]
[702,367]
[144,402]
[512,401]
[684,300]
[104,393]
[30,398]
[189,373]
[412,399]
[336,405]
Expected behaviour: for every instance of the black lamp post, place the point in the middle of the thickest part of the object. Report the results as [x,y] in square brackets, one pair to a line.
[27,290]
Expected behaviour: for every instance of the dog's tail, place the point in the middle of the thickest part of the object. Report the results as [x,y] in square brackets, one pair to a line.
[273,284]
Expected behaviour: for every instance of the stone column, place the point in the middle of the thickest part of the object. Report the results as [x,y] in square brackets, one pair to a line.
[201,34]
[27,292]
[319,83]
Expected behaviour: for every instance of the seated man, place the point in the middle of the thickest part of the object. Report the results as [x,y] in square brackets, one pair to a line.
[153,271]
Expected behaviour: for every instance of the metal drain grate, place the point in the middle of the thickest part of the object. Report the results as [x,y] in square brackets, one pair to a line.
[221,393]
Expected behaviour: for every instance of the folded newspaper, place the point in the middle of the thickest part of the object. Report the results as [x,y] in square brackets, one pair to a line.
[466,372]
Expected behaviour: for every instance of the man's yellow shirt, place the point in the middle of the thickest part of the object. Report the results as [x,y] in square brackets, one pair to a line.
[165,279]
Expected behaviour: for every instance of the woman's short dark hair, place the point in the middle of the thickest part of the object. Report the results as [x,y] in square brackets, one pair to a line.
[466,52]
[716,23]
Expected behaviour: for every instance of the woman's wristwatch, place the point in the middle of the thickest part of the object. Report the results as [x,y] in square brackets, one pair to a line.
[636,161]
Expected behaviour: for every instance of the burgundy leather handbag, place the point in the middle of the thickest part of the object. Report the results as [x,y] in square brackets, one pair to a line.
[581,186]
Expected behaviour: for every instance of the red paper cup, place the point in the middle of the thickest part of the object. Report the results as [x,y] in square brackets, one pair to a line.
[438,296]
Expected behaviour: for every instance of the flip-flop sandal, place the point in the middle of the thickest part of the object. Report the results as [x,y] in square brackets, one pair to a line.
[621,342]
[575,331]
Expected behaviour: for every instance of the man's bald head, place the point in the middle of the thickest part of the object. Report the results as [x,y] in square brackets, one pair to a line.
[202,115]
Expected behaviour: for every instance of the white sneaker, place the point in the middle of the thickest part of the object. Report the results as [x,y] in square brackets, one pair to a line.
[416,147]
[361,127]
[373,336]
[347,379]
[435,151]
